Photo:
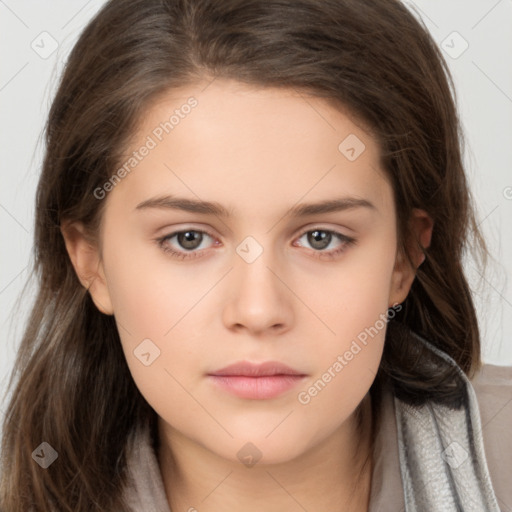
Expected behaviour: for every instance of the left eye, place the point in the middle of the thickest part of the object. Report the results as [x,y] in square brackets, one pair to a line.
[321,238]
[189,240]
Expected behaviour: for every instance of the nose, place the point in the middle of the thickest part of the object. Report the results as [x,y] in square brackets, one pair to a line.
[259,299]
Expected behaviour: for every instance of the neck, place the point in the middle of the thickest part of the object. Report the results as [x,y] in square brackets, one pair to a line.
[196,479]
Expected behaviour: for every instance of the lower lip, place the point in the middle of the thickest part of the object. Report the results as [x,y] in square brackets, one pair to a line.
[257,388]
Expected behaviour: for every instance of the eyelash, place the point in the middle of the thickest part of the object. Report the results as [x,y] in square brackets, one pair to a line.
[347,242]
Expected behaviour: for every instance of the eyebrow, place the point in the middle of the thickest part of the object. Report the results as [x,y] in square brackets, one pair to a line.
[214,208]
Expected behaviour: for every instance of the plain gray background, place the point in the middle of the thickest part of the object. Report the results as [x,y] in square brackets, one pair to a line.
[35,38]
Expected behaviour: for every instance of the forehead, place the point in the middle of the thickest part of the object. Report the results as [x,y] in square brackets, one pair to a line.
[249,148]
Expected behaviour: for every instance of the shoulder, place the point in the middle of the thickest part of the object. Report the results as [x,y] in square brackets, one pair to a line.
[493,389]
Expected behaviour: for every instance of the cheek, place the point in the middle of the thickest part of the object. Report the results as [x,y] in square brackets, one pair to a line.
[355,293]
[149,292]
[353,305]
[156,315]
[347,363]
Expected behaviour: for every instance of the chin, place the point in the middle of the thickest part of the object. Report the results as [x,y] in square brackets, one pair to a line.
[257,450]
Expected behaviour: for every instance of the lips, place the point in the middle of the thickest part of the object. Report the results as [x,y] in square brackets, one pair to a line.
[247,369]
[256,381]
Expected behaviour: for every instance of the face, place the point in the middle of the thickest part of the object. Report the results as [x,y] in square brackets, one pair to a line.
[258,279]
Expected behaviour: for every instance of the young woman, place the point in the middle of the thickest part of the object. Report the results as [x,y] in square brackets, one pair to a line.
[250,227]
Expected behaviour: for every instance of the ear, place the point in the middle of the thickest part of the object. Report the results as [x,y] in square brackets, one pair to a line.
[87,263]
[403,274]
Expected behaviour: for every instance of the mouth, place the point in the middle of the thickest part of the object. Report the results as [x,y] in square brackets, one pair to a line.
[256,381]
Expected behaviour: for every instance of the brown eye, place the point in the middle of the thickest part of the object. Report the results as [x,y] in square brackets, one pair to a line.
[187,241]
[318,239]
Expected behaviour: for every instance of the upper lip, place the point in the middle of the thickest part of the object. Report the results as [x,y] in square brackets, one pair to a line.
[247,369]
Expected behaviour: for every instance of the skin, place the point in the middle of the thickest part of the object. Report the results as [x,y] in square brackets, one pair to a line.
[258,152]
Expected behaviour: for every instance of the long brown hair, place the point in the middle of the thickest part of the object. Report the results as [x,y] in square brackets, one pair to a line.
[71,384]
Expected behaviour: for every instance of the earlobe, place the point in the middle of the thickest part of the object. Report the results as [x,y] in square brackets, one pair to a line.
[86,261]
[422,227]
[403,274]
[401,280]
